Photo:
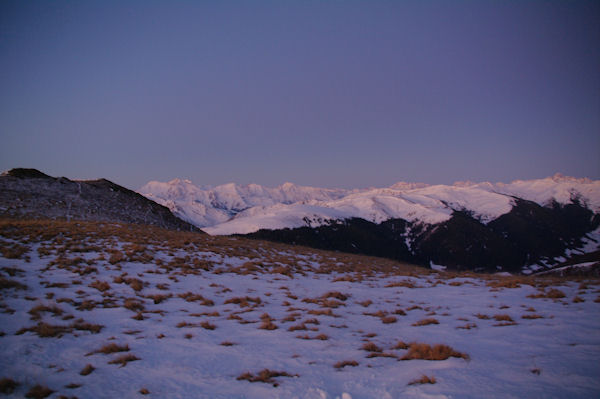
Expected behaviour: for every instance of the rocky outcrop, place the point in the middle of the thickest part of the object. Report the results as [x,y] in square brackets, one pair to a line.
[29,193]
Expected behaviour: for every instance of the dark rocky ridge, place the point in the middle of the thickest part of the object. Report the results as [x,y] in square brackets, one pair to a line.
[528,234]
[29,193]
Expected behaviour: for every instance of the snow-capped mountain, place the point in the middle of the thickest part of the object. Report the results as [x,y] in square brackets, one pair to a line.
[210,206]
[524,225]
[236,209]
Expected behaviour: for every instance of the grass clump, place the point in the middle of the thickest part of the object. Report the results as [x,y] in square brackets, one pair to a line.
[87,370]
[425,322]
[265,376]
[8,385]
[427,352]
[124,359]
[110,348]
[423,380]
[341,364]
[39,392]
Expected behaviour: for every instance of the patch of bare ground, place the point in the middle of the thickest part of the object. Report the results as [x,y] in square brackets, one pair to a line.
[45,330]
[345,363]
[266,376]
[427,352]
[244,302]
[552,293]
[39,392]
[267,322]
[87,370]
[423,380]
[191,297]
[124,359]
[371,347]
[425,322]
[36,311]
[110,348]
[8,385]
[320,337]
[6,283]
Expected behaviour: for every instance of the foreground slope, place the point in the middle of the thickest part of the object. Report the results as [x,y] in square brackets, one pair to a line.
[112,310]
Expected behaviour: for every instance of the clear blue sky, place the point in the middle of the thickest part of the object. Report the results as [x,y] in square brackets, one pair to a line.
[323,93]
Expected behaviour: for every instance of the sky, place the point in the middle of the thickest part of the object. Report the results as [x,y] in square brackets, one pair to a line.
[348,94]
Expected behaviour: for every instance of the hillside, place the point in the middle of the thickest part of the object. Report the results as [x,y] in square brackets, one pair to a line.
[93,309]
[29,193]
[523,226]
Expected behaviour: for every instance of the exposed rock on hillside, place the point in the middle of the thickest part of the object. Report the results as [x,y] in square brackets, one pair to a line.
[29,193]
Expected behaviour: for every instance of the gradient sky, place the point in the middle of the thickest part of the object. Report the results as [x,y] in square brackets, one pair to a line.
[322,93]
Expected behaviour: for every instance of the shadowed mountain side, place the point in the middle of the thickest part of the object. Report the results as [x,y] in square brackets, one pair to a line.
[527,235]
[29,193]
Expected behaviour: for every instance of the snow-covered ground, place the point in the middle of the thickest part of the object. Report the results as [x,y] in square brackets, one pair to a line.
[518,344]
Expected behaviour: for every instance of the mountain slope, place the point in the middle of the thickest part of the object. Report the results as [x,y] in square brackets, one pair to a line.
[29,193]
[481,226]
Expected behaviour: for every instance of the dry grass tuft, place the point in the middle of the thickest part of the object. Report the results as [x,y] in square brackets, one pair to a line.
[423,380]
[389,320]
[36,310]
[8,385]
[532,316]
[207,326]
[6,283]
[552,293]
[371,347]
[227,343]
[87,370]
[39,392]
[244,302]
[110,348]
[427,352]
[425,322]
[265,376]
[100,285]
[124,359]
[144,391]
[344,363]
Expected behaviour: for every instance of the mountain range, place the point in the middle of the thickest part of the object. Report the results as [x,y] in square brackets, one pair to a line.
[525,225]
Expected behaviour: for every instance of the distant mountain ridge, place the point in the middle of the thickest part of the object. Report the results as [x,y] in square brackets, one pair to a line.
[238,209]
[29,193]
[522,225]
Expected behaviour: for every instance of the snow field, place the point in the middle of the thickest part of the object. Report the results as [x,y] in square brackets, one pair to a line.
[552,352]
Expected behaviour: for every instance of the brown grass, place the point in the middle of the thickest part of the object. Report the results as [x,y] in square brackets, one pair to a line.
[502,317]
[8,385]
[124,359]
[87,370]
[423,380]
[244,302]
[110,348]
[427,352]
[265,376]
[39,392]
[227,343]
[6,283]
[36,310]
[100,285]
[389,320]
[425,322]
[144,391]
[207,326]
[552,293]
[532,316]
[371,347]
[344,363]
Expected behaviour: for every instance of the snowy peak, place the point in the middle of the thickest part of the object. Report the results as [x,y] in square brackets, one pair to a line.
[233,208]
